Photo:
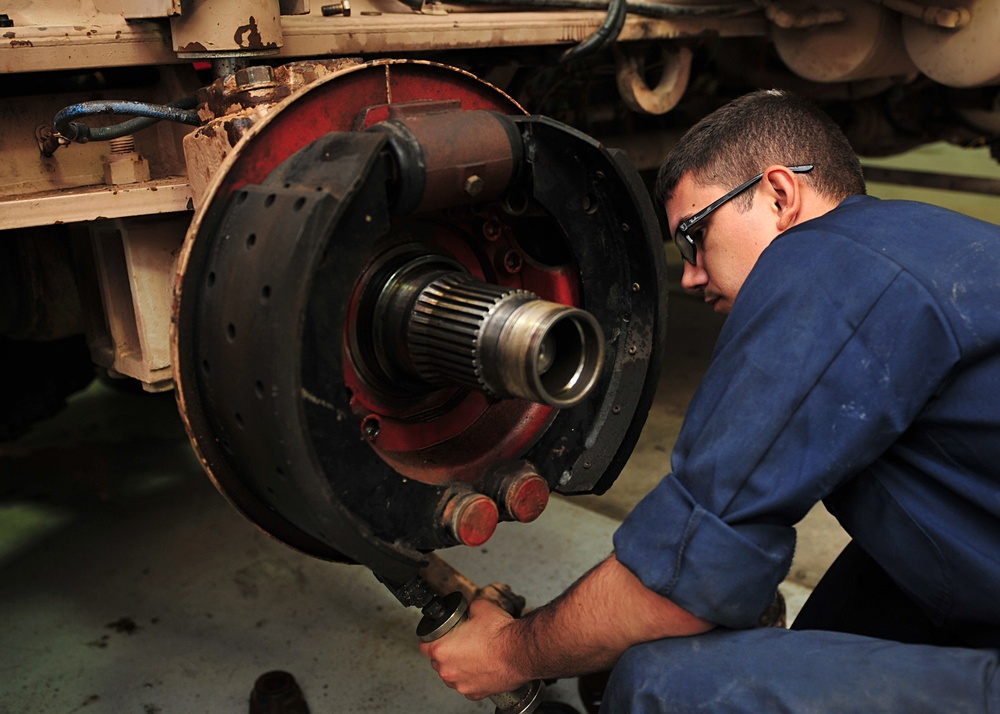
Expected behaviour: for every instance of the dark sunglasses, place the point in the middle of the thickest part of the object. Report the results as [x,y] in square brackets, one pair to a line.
[682,236]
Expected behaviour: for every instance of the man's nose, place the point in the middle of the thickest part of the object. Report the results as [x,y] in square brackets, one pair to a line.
[694,278]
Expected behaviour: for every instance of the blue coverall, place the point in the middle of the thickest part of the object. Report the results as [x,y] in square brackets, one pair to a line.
[860,366]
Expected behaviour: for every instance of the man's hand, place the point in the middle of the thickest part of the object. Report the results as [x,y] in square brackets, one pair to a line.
[586,629]
[474,658]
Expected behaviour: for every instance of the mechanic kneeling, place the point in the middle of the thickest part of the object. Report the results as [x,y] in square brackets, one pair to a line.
[860,366]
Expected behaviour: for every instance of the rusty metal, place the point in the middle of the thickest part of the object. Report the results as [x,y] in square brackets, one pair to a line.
[443,579]
[470,517]
[519,490]
[87,204]
[962,57]
[255,77]
[868,43]
[257,160]
[73,170]
[128,312]
[450,172]
[630,63]
[235,102]
[100,37]
[227,28]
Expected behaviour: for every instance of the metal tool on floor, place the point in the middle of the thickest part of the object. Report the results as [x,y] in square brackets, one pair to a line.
[441,616]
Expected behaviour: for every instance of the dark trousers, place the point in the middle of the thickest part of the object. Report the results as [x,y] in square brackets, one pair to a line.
[857,596]
[859,645]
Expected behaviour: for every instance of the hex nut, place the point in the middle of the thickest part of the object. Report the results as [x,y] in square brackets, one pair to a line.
[125,168]
[256,77]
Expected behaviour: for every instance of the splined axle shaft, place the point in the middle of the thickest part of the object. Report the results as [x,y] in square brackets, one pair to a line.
[503,341]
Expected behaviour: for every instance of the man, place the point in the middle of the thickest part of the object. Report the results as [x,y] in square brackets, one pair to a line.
[860,366]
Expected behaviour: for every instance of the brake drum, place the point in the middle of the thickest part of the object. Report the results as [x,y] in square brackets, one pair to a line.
[406,311]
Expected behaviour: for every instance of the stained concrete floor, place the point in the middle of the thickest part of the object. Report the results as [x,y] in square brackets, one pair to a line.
[128,584]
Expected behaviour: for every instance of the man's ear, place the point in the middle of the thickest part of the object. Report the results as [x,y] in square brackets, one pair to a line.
[785,194]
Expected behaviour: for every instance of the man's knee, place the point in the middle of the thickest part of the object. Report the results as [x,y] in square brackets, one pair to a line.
[770,669]
[645,679]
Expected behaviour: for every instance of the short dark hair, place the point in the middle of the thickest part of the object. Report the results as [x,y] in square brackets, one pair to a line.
[760,129]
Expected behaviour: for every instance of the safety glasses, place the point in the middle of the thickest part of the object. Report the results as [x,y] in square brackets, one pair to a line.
[682,236]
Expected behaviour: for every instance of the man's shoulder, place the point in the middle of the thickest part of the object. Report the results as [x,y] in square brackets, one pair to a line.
[864,215]
[865,246]
[909,234]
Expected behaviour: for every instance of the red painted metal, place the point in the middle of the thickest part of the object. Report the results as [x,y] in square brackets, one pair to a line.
[472,518]
[527,498]
[469,432]
[334,103]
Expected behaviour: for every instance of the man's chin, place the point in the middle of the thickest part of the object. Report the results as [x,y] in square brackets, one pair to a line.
[719,306]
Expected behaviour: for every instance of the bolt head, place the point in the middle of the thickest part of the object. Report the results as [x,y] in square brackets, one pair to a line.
[256,77]
[474,186]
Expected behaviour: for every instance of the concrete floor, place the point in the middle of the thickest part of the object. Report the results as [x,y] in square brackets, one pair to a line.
[128,584]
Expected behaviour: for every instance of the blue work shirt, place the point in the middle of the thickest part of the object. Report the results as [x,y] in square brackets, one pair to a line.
[860,366]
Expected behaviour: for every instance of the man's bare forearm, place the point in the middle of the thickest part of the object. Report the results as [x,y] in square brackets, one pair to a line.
[589,627]
[584,630]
